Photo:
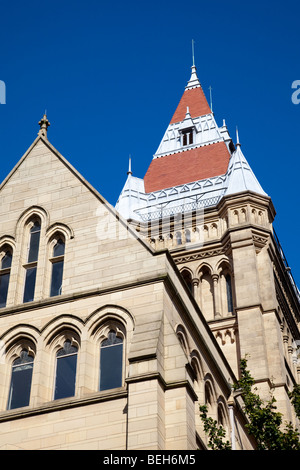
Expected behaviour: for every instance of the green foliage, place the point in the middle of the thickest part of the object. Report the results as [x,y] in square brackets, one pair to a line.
[295,399]
[264,422]
[215,432]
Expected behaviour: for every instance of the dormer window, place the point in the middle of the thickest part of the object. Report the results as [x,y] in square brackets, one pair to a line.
[187,137]
[187,129]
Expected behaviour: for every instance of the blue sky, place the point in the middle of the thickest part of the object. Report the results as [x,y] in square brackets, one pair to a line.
[111,74]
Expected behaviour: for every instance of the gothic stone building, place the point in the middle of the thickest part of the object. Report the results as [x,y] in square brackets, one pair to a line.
[117,322]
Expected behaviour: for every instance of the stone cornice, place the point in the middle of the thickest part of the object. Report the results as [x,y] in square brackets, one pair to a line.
[65,403]
[53,301]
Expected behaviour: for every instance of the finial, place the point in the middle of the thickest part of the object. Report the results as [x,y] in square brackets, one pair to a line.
[44,124]
[237,138]
[193,51]
[210,94]
[129,172]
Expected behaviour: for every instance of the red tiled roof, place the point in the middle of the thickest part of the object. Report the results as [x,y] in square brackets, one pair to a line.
[186,167]
[195,99]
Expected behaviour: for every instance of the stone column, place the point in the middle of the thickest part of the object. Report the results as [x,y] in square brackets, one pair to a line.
[195,283]
[216,294]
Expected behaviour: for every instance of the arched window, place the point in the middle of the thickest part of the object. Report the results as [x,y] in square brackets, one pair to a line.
[66,365]
[188,279]
[111,362]
[229,293]
[4,276]
[208,396]
[178,238]
[57,261]
[207,293]
[187,236]
[32,259]
[221,416]
[20,384]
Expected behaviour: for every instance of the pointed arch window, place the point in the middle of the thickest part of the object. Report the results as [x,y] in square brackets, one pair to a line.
[66,365]
[57,261]
[178,238]
[21,378]
[111,362]
[188,279]
[5,276]
[31,266]
[208,396]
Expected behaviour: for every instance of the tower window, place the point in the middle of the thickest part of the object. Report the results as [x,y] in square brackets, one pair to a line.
[111,360]
[229,293]
[4,277]
[31,266]
[66,364]
[57,267]
[20,385]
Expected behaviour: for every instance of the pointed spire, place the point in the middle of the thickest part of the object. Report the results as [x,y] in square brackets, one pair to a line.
[240,176]
[44,124]
[194,80]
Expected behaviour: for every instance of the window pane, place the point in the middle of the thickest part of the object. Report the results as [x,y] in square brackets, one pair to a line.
[65,377]
[4,281]
[6,260]
[56,280]
[20,386]
[59,248]
[34,243]
[66,364]
[29,285]
[111,366]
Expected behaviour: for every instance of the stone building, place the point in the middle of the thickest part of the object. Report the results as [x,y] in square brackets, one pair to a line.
[116,323]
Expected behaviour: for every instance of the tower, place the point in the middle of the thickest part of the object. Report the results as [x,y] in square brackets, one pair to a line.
[201,201]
